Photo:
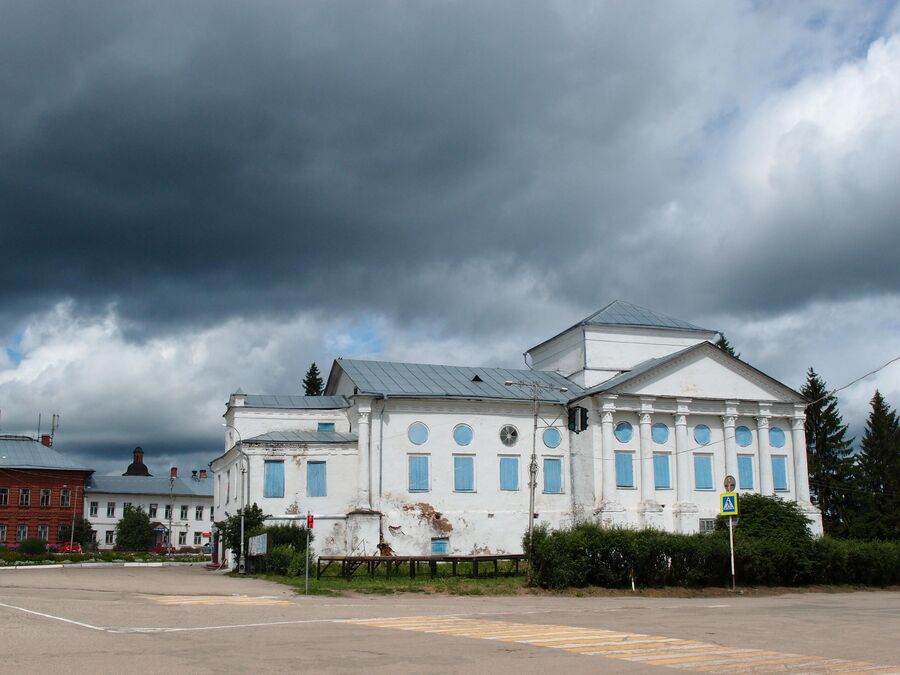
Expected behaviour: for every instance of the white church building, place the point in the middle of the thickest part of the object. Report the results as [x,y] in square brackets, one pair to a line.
[425,459]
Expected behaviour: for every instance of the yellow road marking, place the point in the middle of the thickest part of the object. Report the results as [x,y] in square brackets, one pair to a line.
[653,650]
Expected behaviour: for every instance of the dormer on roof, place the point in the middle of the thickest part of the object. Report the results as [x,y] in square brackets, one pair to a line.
[614,340]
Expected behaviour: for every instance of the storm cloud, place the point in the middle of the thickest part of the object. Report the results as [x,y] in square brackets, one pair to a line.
[211,195]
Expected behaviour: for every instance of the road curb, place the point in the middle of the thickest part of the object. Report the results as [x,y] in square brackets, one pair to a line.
[100,565]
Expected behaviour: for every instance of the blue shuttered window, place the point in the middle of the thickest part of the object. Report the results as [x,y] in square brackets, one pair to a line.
[464,474]
[703,473]
[745,472]
[509,473]
[552,475]
[325,426]
[315,479]
[779,473]
[661,472]
[440,546]
[624,469]
[273,479]
[418,473]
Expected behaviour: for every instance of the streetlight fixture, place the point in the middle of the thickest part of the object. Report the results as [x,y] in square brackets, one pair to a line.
[242,560]
[536,388]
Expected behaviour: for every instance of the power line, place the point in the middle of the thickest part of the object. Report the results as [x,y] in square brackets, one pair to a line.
[858,379]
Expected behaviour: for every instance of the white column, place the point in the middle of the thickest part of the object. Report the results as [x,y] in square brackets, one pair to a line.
[608,453]
[645,462]
[798,443]
[362,467]
[766,482]
[728,421]
[682,460]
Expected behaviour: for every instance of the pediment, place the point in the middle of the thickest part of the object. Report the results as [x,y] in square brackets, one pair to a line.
[708,372]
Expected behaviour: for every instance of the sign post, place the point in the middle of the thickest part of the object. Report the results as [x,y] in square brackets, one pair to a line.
[309,526]
[728,506]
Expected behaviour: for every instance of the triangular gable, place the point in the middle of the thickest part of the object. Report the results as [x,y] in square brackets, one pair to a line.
[705,371]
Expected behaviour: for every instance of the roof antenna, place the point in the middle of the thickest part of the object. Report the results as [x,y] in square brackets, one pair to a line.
[39,426]
[54,425]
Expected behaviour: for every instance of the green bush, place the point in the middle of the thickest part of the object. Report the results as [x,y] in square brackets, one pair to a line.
[33,547]
[297,568]
[278,559]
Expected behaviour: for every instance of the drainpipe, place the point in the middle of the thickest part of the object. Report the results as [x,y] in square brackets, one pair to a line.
[381,449]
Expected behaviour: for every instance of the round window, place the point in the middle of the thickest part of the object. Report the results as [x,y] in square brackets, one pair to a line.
[417,433]
[701,434]
[660,433]
[552,437]
[624,432]
[776,437]
[743,436]
[509,435]
[462,434]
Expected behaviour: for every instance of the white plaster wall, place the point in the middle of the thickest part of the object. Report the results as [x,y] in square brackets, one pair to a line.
[486,520]
[101,523]
[618,349]
[251,422]
[563,354]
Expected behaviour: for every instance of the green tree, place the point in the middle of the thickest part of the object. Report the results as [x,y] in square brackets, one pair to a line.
[723,344]
[829,456]
[878,475]
[84,533]
[312,383]
[133,531]
[230,528]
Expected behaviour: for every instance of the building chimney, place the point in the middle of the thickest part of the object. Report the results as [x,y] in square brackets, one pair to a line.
[202,474]
[173,472]
[47,440]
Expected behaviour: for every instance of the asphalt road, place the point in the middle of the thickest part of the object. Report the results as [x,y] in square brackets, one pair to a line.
[142,620]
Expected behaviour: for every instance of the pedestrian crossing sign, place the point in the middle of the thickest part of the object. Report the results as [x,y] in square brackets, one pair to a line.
[728,504]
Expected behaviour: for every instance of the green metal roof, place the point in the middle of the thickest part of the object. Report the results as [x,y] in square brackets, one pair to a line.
[434,381]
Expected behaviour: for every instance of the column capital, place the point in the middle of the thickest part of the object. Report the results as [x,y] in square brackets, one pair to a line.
[646,418]
[798,423]
[363,416]
[762,422]
[680,420]
[729,420]
[607,417]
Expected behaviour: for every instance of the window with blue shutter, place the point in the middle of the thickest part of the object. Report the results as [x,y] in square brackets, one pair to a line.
[418,473]
[779,473]
[552,475]
[315,479]
[325,426]
[440,546]
[463,473]
[509,473]
[661,471]
[273,479]
[703,474]
[745,472]
[624,470]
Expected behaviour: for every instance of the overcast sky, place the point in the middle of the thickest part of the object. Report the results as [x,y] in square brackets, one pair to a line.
[196,197]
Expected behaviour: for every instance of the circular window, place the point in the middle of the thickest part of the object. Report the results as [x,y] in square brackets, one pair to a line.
[743,436]
[701,434]
[417,433]
[776,437]
[660,433]
[624,432]
[462,434]
[509,435]
[552,437]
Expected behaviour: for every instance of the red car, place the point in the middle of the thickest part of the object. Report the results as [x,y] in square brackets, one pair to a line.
[65,548]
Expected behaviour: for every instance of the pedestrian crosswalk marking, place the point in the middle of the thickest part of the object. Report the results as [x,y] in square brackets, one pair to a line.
[656,650]
[215,600]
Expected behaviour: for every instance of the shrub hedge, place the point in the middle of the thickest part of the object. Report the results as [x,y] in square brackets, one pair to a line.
[772,548]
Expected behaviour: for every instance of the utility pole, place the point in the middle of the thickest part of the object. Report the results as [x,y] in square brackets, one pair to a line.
[536,388]
[171,509]
[242,559]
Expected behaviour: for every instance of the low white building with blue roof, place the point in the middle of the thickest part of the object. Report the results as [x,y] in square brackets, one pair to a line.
[431,458]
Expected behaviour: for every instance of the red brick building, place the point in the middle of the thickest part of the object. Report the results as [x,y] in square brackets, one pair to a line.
[40,490]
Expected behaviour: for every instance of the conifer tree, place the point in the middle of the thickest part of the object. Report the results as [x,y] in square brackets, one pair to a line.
[879,474]
[312,383]
[723,344]
[828,455]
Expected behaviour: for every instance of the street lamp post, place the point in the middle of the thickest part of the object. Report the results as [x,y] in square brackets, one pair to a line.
[242,559]
[72,533]
[532,468]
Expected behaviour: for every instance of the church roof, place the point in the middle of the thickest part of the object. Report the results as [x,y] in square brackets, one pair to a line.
[299,436]
[290,401]
[23,452]
[621,313]
[422,380]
